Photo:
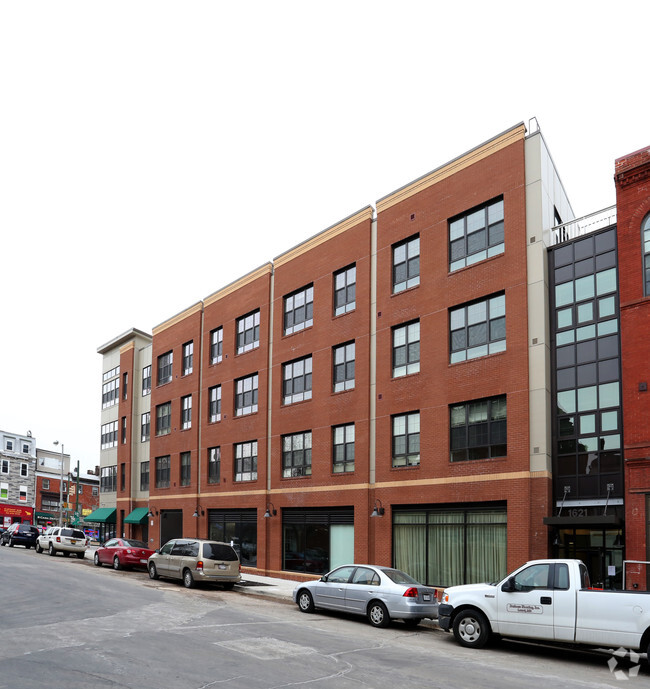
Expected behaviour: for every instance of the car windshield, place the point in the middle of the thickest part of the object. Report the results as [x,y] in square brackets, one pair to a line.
[133,543]
[74,533]
[219,551]
[398,577]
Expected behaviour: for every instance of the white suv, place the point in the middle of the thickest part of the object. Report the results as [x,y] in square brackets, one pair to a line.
[63,539]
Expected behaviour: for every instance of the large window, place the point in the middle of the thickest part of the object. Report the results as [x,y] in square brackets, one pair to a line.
[164,418]
[110,393]
[246,395]
[345,283]
[109,435]
[446,547]
[645,230]
[163,471]
[214,404]
[186,412]
[343,361]
[296,455]
[343,448]
[476,235]
[165,365]
[214,464]
[108,479]
[186,468]
[246,461]
[248,332]
[478,329]
[238,527]
[479,429]
[216,345]
[299,310]
[296,381]
[406,349]
[188,358]
[406,264]
[145,427]
[406,439]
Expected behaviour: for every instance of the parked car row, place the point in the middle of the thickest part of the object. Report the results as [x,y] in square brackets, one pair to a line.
[19,534]
[63,539]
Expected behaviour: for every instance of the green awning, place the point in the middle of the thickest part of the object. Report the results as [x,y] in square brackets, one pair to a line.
[138,516]
[104,515]
[45,515]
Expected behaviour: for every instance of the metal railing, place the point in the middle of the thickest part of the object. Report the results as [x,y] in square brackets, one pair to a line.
[581,226]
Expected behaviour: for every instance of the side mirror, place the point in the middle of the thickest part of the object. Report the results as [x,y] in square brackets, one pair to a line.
[157,550]
[509,585]
[324,577]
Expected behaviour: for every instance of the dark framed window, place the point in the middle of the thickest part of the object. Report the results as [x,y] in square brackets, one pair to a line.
[109,435]
[406,439]
[186,412]
[111,393]
[165,366]
[299,310]
[164,418]
[479,429]
[214,464]
[246,391]
[188,358]
[476,235]
[144,476]
[296,455]
[343,448]
[406,264]
[248,332]
[107,481]
[214,404]
[246,461]
[123,430]
[145,426]
[186,468]
[478,329]
[216,345]
[238,527]
[406,349]
[296,380]
[125,385]
[122,476]
[645,234]
[343,363]
[146,380]
[345,287]
[163,471]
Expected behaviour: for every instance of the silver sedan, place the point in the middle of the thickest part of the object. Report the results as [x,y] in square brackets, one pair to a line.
[379,593]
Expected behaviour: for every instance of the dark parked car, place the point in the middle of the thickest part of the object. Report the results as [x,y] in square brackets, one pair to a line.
[20,534]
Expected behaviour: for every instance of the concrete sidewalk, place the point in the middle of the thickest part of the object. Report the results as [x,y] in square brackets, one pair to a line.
[267,587]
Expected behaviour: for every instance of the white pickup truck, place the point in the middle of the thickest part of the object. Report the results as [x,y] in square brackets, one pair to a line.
[547,600]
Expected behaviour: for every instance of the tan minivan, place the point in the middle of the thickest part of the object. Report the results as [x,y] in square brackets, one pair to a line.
[195,560]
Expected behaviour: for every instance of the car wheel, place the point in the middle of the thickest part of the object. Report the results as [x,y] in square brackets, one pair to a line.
[188,579]
[11,542]
[378,615]
[305,601]
[116,563]
[153,574]
[412,622]
[96,560]
[471,628]
[81,556]
[38,548]
[28,546]
[51,550]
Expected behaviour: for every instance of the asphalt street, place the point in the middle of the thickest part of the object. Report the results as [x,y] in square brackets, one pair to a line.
[67,624]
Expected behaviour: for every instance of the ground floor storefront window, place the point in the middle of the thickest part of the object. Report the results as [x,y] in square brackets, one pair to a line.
[450,546]
[316,540]
[238,527]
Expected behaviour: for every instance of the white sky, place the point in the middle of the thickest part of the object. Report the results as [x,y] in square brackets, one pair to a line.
[152,152]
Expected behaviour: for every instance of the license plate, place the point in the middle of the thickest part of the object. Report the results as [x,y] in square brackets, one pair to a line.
[426,596]
[223,566]
[143,562]
[73,541]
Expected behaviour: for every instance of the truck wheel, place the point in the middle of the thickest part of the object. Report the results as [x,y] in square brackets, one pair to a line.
[471,628]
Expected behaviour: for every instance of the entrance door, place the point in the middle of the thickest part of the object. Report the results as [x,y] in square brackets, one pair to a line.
[171,525]
[599,549]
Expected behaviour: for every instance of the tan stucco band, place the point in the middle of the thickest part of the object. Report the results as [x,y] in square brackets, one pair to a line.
[238,284]
[178,318]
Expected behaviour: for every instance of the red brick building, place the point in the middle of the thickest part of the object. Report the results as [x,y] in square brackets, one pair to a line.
[380,392]
[632,178]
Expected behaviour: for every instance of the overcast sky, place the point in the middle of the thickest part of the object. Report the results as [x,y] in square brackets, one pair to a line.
[152,152]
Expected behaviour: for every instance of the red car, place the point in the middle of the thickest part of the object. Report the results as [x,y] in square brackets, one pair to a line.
[123,552]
